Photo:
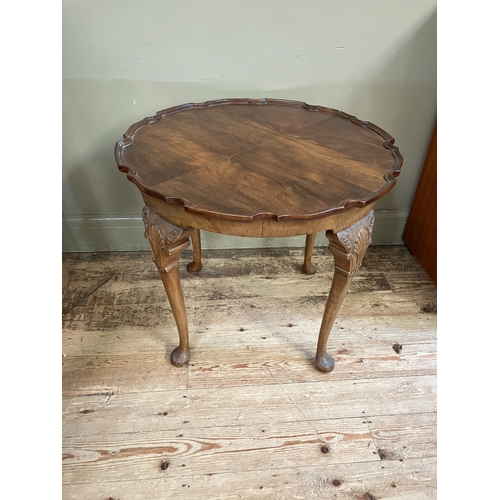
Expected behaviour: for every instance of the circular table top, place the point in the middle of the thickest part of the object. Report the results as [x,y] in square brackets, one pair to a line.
[245,159]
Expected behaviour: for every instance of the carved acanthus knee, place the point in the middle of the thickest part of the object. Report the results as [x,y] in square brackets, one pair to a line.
[349,246]
[166,240]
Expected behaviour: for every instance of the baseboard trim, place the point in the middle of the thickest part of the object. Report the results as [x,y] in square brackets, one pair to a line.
[126,233]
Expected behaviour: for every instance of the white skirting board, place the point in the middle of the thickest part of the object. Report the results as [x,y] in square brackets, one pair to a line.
[126,233]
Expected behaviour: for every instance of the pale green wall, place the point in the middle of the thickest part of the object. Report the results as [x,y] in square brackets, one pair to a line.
[124,60]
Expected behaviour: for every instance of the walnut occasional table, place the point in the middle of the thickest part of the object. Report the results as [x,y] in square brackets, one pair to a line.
[263,168]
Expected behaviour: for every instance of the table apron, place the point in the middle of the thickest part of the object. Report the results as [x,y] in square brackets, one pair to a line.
[262,228]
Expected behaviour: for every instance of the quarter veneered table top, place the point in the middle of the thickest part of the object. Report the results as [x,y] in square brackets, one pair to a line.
[243,159]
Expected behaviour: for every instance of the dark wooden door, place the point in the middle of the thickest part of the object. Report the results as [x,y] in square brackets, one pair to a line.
[420,234]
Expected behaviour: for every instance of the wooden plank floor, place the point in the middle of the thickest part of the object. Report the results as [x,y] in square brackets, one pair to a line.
[250,417]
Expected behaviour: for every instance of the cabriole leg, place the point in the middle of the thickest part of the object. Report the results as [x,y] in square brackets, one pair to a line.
[195,265]
[348,248]
[308,267]
[167,242]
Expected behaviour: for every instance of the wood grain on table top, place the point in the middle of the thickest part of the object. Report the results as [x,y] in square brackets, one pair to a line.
[249,159]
